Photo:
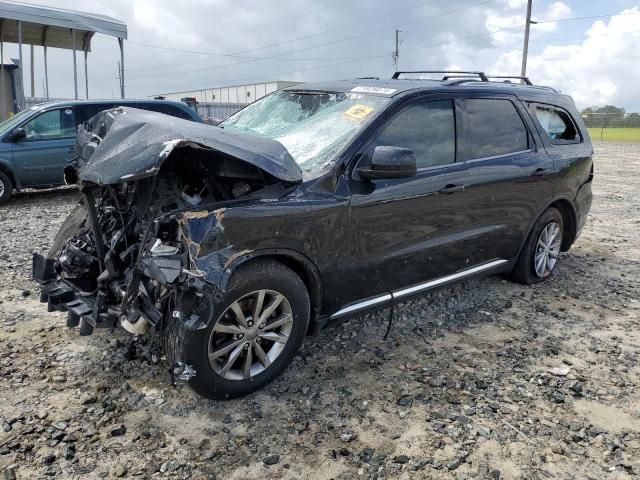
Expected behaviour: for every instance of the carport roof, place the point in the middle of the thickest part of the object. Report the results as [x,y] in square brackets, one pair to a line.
[41,24]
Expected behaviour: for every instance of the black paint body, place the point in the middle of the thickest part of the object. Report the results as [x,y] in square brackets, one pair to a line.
[354,239]
[359,244]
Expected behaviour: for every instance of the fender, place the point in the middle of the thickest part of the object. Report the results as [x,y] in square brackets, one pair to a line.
[535,219]
[7,167]
[298,262]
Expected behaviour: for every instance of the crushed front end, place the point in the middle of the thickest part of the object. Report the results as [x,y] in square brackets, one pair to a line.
[146,248]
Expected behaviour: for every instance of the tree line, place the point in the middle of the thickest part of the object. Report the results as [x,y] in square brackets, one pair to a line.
[609,116]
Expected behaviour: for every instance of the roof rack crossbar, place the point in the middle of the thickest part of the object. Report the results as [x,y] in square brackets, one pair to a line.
[511,77]
[447,74]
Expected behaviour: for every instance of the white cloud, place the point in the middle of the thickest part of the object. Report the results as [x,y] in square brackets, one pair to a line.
[598,66]
[512,14]
[602,69]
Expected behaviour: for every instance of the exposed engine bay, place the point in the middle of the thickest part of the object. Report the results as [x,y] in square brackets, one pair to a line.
[146,247]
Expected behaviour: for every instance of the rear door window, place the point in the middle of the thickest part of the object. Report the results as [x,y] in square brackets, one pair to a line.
[493,127]
[427,128]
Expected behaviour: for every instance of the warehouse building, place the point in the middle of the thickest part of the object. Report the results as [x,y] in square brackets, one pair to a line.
[220,102]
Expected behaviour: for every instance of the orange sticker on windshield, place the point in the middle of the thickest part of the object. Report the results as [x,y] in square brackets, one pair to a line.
[358,112]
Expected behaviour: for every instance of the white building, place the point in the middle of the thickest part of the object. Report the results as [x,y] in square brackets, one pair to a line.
[236,94]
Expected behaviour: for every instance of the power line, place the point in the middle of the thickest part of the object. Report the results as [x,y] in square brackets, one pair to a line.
[426,46]
[571,19]
[276,56]
[420,47]
[372,57]
[326,43]
[284,42]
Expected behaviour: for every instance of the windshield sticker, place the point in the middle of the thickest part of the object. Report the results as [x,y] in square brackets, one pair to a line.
[358,112]
[383,90]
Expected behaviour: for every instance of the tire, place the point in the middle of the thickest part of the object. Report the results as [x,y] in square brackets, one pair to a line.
[6,187]
[272,278]
[525,270]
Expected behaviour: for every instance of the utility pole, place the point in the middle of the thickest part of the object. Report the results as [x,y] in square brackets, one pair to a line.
[33,75]
[396,52]
[525,48]
[119,77]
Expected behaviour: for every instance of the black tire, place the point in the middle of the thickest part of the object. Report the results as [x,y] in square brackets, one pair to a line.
[6,187]
[524,270]
[254,276]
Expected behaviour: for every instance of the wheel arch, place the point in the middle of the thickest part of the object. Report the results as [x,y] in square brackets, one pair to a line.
[569,221]
[299,263]
[5,168]
[566,208]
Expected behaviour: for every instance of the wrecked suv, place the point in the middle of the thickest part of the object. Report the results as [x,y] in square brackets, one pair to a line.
[315,203]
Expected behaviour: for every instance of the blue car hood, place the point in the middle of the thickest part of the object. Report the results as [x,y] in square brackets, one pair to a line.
[123,144]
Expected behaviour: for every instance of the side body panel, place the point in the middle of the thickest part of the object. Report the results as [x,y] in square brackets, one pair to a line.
[506,193]
[573,163]
[405,231]
[302,224]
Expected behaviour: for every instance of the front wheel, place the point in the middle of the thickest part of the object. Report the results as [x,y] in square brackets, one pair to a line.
[539,256]
[6,187]
[262,322]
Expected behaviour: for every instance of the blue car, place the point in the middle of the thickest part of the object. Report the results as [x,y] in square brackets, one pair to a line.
[37,143]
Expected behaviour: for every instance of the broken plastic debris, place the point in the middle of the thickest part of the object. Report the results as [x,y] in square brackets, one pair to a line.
[160,250]
[168,147]
[192,199]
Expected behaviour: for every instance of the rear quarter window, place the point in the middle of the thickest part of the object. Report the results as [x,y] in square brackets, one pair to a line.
[556,124]
[493,127]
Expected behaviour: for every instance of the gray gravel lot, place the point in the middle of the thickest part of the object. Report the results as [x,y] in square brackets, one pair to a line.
[488,379]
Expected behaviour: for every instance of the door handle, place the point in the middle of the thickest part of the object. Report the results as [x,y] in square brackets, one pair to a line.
[71,149]
[541,172]
[451,188]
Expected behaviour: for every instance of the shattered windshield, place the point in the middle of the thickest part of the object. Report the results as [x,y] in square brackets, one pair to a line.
[313,126]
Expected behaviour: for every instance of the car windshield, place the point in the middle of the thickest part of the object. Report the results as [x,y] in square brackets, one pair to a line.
[313,126]
[17,118]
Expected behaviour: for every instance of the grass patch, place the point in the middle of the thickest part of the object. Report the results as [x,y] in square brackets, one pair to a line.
[615,134]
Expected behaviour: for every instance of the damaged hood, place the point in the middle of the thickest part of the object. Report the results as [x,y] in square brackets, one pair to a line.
[125,143]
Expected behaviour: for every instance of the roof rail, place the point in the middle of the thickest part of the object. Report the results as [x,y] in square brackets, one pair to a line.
[511,77]
[448,74]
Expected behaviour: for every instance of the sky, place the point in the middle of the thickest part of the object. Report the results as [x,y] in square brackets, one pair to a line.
[193,44]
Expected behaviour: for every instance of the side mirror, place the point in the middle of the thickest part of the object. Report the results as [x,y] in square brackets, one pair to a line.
[389,162]
[17,134]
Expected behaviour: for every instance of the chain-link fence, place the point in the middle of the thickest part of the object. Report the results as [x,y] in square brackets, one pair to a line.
[617,127]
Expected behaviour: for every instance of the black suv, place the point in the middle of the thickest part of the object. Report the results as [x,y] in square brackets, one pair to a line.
[317,202]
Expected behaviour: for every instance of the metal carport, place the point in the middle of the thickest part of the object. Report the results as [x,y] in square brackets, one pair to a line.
[26,23]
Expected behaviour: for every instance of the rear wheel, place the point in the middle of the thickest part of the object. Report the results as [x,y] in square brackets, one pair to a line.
[6,188]
[263,321]
[539,256]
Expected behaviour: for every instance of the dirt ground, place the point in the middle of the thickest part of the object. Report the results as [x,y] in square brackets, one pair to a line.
[488,379]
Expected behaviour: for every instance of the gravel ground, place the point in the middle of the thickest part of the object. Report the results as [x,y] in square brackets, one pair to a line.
[488,379]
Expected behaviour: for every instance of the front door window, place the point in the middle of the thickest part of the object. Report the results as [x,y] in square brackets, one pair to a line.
[51,125]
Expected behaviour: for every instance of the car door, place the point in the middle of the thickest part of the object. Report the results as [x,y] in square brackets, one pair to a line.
[47,148]
[404,231]
[509,180]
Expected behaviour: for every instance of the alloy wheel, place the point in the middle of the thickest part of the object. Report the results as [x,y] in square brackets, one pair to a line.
[2,187]
[547,249]
[250,334]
